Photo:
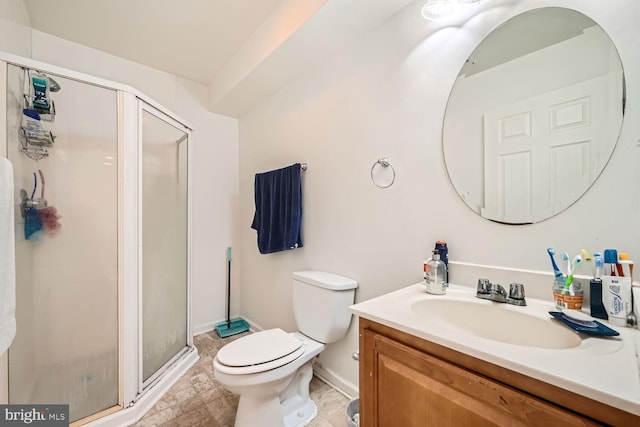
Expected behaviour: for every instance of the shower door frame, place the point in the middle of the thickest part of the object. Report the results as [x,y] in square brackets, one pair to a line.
[133,399]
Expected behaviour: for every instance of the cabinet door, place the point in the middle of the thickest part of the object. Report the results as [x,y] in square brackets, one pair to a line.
[402,386]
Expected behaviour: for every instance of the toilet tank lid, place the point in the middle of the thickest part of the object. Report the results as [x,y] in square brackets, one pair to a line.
[325,280]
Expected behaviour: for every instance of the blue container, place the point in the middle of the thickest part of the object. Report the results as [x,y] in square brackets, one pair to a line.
[441,246]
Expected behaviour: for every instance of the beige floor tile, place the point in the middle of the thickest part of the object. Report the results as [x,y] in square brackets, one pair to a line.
[329,400]
[222,411]
[182,383]
[199,417]
[338,418]
[202,382]
[211,394]
[160,417]
[197,399]
[169,400]
[319,422]
[316,383]
[186,394]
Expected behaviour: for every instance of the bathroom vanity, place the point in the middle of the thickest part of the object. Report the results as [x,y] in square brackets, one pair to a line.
[427,360]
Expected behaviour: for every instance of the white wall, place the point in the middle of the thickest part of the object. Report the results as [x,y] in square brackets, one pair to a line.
[215,164]
[15,28]
[385,96]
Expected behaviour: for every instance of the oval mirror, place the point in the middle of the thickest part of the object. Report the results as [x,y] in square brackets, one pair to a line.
[534,116]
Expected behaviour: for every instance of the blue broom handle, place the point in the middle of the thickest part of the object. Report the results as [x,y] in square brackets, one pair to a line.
[229,287]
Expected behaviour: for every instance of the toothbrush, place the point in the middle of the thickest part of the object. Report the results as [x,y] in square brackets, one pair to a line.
[577,261]
[567,284]
[565,257]
[568,287]
[611,258]
[556,271]
[624,260]
[586,257]
[598,265]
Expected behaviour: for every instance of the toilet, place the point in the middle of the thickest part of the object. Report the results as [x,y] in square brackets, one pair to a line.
[271,369]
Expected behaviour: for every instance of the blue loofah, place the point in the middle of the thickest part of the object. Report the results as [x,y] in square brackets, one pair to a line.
[32,223]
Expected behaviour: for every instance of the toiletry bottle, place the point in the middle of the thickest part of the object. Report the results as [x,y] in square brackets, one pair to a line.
[40,101]
[595,290]
[441,246]
[436,275]
[616,296]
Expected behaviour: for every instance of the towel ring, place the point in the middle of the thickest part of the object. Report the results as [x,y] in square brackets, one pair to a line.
[384,162]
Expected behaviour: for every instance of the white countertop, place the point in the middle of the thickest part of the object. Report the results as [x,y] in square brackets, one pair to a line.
[603,369]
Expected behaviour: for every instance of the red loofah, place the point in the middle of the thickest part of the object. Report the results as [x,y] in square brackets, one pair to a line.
[49,217]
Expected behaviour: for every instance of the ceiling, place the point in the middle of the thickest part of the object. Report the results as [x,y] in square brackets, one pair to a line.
[189,38]
[243,50]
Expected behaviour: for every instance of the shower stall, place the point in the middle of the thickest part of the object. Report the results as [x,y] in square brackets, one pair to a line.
[102,223]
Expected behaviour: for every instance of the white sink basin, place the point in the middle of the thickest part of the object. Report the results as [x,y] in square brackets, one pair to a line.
[497,322]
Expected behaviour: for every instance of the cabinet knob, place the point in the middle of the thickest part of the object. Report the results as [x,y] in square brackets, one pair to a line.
[356,355]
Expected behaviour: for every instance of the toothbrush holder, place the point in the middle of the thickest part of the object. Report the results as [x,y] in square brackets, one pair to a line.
[564,299]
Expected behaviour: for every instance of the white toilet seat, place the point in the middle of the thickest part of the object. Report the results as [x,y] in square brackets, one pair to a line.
[259,352]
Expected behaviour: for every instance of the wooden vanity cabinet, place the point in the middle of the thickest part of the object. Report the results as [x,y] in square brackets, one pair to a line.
[410,382]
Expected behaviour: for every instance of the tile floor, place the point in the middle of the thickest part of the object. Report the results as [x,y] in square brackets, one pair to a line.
[197,399]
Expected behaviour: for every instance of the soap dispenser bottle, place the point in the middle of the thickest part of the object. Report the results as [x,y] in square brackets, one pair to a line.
[435,275]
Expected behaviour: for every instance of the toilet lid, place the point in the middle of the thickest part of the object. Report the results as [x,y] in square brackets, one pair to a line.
[259,348]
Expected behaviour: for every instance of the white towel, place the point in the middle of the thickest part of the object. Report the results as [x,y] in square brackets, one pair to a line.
[7,257]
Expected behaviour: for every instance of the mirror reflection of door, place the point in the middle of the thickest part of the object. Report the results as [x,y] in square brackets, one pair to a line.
[540,153]
[537,120]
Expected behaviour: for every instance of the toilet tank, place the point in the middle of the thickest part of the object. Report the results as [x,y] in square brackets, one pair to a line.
[321,304]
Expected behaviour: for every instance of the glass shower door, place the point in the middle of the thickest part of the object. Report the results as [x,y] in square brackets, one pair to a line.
[164,242]
[66,347]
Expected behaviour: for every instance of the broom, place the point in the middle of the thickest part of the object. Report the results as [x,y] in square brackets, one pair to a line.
[230,326]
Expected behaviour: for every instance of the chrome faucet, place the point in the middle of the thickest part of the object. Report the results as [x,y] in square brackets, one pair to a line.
[497,293]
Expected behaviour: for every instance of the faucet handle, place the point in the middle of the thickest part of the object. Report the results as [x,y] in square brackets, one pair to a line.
[484,286]
[516,294]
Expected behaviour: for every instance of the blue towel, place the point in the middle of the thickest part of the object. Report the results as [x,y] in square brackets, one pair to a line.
[278,217]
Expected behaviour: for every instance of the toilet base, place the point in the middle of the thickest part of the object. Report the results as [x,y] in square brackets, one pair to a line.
[296,405]
[289,406]
[256,412]
[259,411]
[302,416]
